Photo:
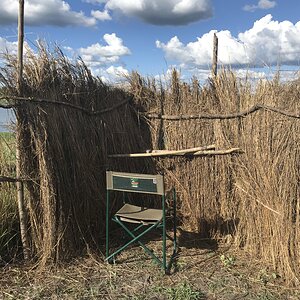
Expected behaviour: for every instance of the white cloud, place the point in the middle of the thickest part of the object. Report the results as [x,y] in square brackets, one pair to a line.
[95,1]
[165,77]
[244,73]
[44,12]
[98,55]
[267,74]
[117,71]
[12,48]
[262,4]
[266,4]
[101,15]
[8,47]
[268,42]
[101,59]
[158,12]
[112,75]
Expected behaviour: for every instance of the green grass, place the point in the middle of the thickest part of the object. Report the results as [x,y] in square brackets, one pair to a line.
[9,228]
[182,291]
[9,225]
[7,152]
[7,135]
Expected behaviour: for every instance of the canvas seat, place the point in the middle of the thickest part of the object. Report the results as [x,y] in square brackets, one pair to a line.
[137,214]
[144,218]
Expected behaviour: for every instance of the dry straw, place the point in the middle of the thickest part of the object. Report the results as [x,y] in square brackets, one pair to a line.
[64,150]
[254,197]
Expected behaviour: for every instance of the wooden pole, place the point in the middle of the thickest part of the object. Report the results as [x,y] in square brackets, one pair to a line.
[20,185]
[215,56]
[20,46]
[161,131]
[186,153]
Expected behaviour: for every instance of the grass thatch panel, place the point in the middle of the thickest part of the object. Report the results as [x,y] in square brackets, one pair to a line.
[64,150]
[204,184]
[254,197]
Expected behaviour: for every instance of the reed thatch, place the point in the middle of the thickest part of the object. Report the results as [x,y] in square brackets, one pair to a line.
[254,198]
[64,149]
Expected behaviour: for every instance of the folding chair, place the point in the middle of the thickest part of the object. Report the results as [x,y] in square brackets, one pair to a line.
[145,219]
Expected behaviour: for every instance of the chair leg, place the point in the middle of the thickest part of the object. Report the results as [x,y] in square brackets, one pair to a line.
[135,239]
[106,225]
[175,218]
[174,239]
[164,236]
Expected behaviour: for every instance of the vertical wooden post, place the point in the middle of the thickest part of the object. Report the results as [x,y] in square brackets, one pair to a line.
[215,56]
[20,186]
[161,131]
[20,46]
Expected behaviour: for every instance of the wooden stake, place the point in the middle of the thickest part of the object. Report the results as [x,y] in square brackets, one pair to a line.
[186,152]
[20,185]
[197,151]
[215,56]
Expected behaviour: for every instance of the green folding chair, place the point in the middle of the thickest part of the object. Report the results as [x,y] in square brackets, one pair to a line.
[144,219]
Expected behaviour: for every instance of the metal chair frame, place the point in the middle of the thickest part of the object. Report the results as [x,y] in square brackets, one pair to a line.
[146,184]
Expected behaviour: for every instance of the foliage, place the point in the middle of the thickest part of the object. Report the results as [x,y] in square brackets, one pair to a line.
[228,261]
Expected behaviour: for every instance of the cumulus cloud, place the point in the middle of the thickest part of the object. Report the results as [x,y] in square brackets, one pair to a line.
[268,42]
[112,74]
[103,60]
[101,15]
[99,55]
[262,4]
[44,12]
[158,12]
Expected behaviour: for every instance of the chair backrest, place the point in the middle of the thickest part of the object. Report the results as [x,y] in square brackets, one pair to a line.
[136,183]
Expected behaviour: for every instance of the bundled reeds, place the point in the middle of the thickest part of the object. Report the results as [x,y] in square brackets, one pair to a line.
[253,198]
[67,129]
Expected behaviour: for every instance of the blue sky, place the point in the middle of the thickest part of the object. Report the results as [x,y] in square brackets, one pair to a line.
[115,37]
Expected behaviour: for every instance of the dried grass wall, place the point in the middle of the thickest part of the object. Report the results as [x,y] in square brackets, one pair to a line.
[64,150]
[254,197]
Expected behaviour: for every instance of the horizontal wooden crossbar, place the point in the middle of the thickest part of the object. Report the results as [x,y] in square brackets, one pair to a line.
[199,151]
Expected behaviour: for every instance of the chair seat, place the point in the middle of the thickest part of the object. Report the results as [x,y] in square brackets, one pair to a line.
[136,214]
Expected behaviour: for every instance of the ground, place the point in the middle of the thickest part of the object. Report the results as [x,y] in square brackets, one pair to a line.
[206,270]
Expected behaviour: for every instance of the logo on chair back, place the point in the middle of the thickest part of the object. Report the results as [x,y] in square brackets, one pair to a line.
[134,182]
